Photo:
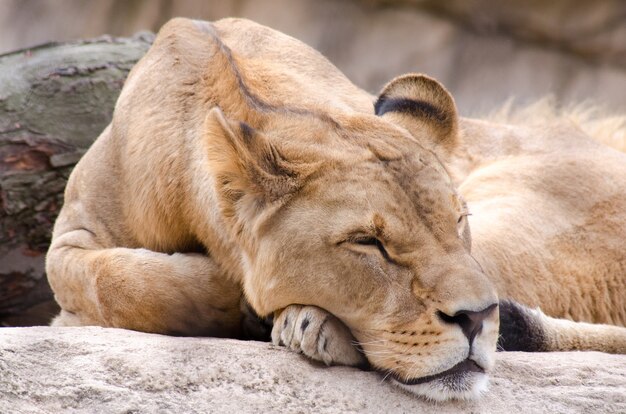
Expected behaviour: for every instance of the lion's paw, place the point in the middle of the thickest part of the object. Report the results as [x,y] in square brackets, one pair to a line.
[317,334]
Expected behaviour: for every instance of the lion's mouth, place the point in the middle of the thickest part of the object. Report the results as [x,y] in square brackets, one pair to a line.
[462,368]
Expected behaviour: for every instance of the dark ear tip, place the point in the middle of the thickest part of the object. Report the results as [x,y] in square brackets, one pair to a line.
[379,104]
[418,87]
[417,103]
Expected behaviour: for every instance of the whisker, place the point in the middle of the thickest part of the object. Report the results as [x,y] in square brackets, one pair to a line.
[389,372]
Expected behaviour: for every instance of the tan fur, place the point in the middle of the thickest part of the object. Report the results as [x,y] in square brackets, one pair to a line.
[241,162]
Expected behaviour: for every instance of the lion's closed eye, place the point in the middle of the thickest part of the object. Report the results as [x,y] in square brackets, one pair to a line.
[463,216]
[368,242]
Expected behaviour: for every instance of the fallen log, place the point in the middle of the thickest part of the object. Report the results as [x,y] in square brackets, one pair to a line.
[55,99]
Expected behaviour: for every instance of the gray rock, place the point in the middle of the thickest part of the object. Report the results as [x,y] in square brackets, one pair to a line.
[93,370]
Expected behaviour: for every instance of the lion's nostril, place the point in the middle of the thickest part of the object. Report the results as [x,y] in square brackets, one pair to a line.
[471,322]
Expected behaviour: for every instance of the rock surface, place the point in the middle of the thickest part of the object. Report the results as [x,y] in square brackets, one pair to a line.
[90,370]
[55,99]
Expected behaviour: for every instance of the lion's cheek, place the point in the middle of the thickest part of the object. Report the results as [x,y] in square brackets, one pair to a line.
[272,291]
[274,281]
[269,288]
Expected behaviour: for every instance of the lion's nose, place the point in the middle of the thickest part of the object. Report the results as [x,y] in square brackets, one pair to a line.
[471,322]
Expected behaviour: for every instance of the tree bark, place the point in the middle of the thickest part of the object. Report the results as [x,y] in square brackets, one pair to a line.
[55,99]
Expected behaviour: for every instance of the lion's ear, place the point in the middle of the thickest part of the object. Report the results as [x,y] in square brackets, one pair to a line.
[248,169]
[423,106]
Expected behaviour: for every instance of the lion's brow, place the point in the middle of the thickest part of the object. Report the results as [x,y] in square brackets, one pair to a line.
[379,224]
[419,198]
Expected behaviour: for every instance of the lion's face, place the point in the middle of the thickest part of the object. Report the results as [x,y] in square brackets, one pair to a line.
[381,247]
[378,238]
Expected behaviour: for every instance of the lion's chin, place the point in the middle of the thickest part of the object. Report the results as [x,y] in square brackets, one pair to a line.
[465,381]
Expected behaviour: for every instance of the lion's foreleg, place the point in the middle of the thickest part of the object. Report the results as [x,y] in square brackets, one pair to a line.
[139,289]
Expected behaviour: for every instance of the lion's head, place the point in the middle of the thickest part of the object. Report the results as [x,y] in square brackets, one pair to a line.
[356,214]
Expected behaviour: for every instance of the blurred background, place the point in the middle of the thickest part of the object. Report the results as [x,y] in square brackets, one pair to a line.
[484,51]
[55,100]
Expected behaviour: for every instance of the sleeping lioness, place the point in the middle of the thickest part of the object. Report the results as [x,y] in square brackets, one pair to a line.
[241,165]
